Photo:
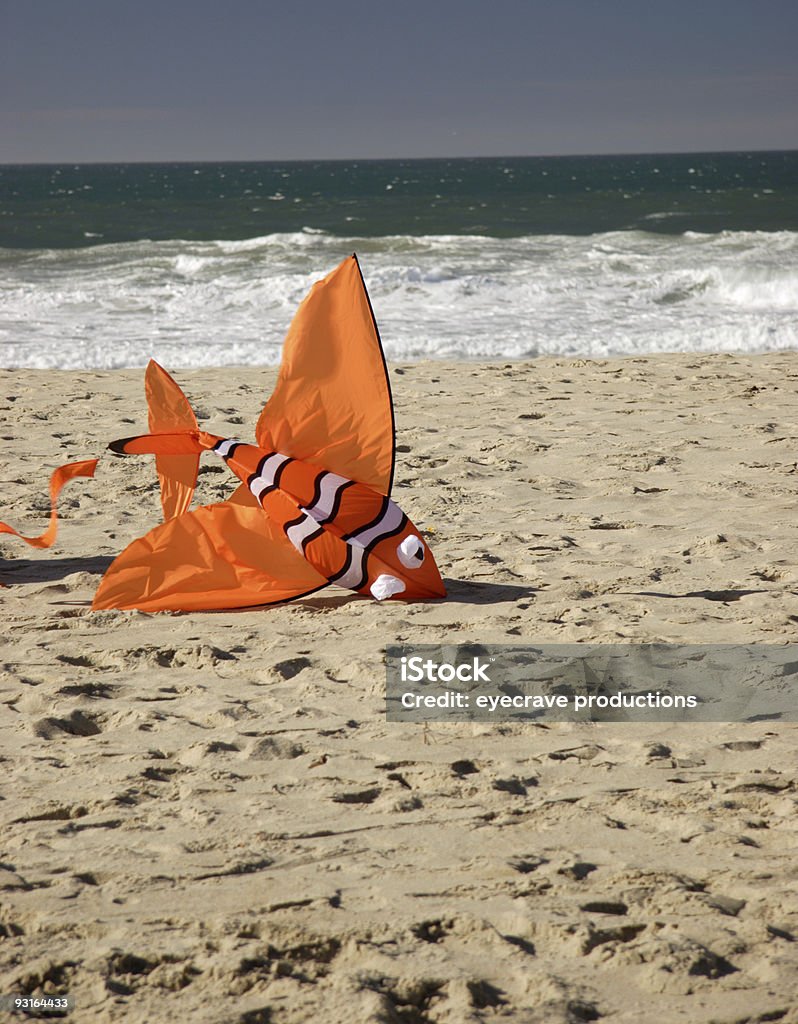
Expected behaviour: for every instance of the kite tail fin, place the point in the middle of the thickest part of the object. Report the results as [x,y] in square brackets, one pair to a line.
[169,411]
[60,476]
[172,444]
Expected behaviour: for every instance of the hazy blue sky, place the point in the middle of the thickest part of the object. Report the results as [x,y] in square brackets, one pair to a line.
[84,80]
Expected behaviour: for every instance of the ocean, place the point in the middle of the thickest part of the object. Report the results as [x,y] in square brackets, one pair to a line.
[106,265]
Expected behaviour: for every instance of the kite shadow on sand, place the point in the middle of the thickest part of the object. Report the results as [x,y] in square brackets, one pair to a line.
[462,591]
[51,570]
[469,592]
[459,591]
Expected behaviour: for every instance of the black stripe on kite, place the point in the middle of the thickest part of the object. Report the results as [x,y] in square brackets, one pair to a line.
[372,522]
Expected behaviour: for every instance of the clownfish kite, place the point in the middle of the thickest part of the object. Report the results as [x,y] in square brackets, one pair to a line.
[313,506]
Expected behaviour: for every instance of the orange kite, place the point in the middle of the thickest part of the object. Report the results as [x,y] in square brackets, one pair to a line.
[314,503]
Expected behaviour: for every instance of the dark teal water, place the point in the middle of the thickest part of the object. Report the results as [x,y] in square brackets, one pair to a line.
[70,205]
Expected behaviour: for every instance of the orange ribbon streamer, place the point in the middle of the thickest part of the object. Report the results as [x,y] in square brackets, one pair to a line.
[59,478]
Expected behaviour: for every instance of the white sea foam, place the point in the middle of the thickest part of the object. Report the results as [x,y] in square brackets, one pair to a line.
[470,297]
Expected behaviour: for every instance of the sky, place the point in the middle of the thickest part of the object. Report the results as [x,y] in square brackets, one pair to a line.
[171,80]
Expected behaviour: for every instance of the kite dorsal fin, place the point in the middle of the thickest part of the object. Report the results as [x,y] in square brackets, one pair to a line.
[169,411]
[332,405]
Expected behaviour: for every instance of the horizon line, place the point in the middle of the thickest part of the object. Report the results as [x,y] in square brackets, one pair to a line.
[393,159]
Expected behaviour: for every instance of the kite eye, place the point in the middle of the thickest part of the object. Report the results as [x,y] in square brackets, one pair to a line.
[411,552]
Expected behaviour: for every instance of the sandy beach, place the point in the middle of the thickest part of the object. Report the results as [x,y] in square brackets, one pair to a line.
[206,817]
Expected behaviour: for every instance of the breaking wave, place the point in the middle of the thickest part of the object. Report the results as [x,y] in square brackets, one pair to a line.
[204,303]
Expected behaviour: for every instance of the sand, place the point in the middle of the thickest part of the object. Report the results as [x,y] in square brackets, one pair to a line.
[206,817]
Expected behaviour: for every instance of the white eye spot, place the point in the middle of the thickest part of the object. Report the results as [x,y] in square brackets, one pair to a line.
[411,552]
[386,586]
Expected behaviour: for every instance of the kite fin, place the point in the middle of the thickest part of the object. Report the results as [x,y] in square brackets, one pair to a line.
[331,405]
[169,411]
[58,479]
[175,445]
[228,555]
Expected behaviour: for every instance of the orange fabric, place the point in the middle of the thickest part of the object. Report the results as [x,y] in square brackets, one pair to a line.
[169,446]
[60,476]
[220,556]
[332,402]
[169,410]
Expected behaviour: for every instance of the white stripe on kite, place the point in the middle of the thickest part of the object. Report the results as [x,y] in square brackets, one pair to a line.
[354,575]
[302,531]
[389,523]
[265,479]
[329,487]
[223,447]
